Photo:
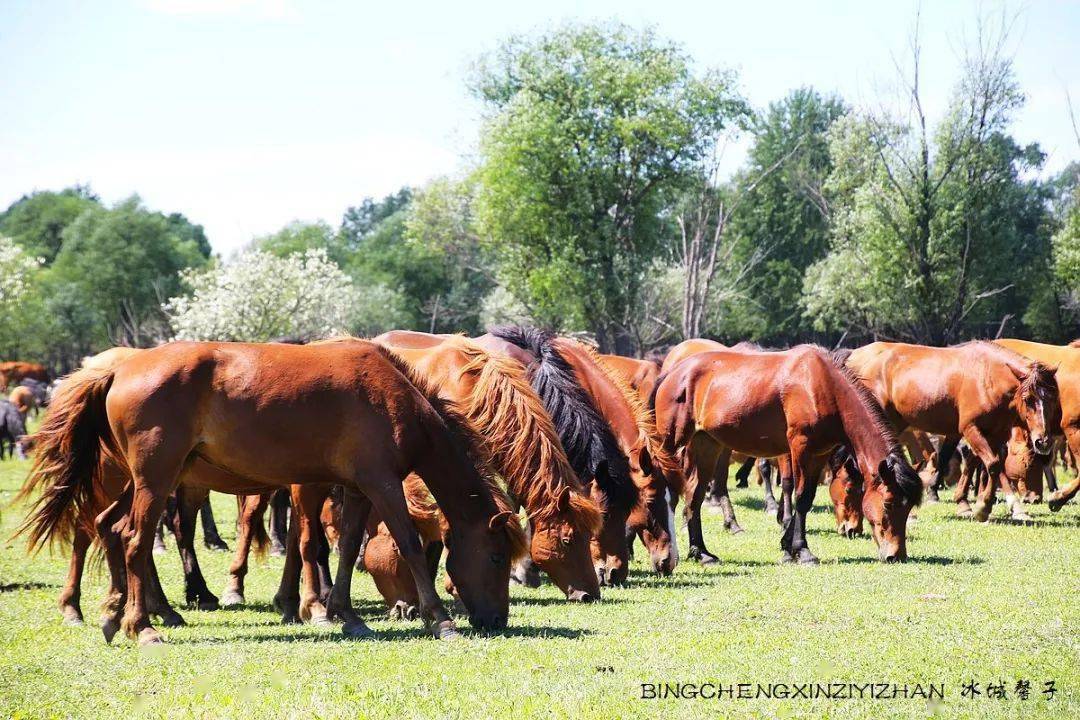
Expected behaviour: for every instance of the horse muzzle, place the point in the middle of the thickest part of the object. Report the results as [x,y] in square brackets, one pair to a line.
[1042,445]
[488,621]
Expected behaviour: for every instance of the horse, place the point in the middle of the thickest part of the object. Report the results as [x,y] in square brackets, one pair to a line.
[977,391]
[496,397]
[607,441]
[17,371]
[797,403]
[242,407]
[23,399]
[1066,364]
[639,374]
[13,431]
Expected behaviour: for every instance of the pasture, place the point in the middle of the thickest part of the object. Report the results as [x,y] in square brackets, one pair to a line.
[984,603]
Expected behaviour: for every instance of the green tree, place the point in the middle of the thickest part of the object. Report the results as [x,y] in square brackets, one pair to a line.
[587,129]
[935,232]
[37,221]
[784,219]
[298,237]
[118,266]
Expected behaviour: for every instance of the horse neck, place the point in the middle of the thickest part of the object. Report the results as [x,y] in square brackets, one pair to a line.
[459,489]
[860,426]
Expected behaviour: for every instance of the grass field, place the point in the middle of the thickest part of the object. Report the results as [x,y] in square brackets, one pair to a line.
[989,603]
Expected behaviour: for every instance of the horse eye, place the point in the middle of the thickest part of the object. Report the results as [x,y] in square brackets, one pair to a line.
[566,539]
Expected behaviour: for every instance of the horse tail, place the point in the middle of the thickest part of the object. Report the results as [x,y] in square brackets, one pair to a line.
[67,461]
[260,539]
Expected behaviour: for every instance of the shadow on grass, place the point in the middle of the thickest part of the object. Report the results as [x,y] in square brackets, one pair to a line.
[12,587]
[414,632]
[545,601]
[363,607]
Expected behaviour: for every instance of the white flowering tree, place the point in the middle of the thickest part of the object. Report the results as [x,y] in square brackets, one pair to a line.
[257,297]
[16,270]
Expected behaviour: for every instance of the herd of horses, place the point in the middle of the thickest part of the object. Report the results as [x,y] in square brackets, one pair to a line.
[411,449]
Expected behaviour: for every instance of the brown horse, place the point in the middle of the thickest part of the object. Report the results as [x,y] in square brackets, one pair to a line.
[23,399]
[797,403]
[640,374]
[495,395]
[242,408]
[607,441]
[978,391]
[1066,362]
[686,349]
[16,371]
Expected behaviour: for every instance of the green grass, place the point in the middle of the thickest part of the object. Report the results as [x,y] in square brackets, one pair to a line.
[983,602]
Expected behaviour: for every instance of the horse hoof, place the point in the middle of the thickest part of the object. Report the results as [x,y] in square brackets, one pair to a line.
[231,598]
[218,546]
[446,630]
[735,529]
[321,621]
[357,630]
[981,513]
[808,559]
[707,559]
[786,558]
[1021,516]
[150,636]
[931,496]
[159,549]
[1055,503]
[109,628]
[277,551]
[73,621]
[771,510]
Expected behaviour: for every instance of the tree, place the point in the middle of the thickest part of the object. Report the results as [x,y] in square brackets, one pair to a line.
[299,237]
[258,296]
[37,221]
[932,229]
[781,226]
[587,129]
[120,264]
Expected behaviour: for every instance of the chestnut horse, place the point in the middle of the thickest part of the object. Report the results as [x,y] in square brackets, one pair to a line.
[607,442]
[1066,362]
[495,395]
[978,391]
[797,403]
[244,408]
[639,374]
[16,371]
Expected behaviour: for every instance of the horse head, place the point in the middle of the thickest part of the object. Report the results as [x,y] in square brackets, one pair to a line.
[888,499]
[1036,403]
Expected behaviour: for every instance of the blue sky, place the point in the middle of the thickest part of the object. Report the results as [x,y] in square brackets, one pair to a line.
[245,115]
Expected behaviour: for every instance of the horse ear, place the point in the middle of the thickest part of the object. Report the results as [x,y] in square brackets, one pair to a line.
[563,503]
[500,520]
[1018,372]
[645,459]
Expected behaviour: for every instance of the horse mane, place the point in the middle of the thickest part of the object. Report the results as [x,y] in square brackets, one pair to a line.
[643,416]
[585,435]
[465,437]
[906,477]
[521,436]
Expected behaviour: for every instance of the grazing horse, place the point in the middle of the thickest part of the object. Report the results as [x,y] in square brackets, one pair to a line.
[17,371]
[977,391]
[607,441]
[639,374]
[494,394]
[23,399]
[797,403]
[1066,362]
[12,431]
[244,408]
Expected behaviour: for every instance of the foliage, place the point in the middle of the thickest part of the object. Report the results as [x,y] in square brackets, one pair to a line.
[587,129]
[299,237]
[258,297]
[37,221]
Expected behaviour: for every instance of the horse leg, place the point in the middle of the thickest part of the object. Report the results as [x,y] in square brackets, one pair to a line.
[280,506]
[159,533]
[326,582]
[110,524]
[156,602]
[964,483]
[72,592]
[720,481]
[388,498]
[942,461]
[765,471]
[702,458]
[196,593]
[807,470]
[982,448]
[252,509]
[1058,498]
[354,514]
[287,599]
[742,475]
[211,537]
[307,504]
